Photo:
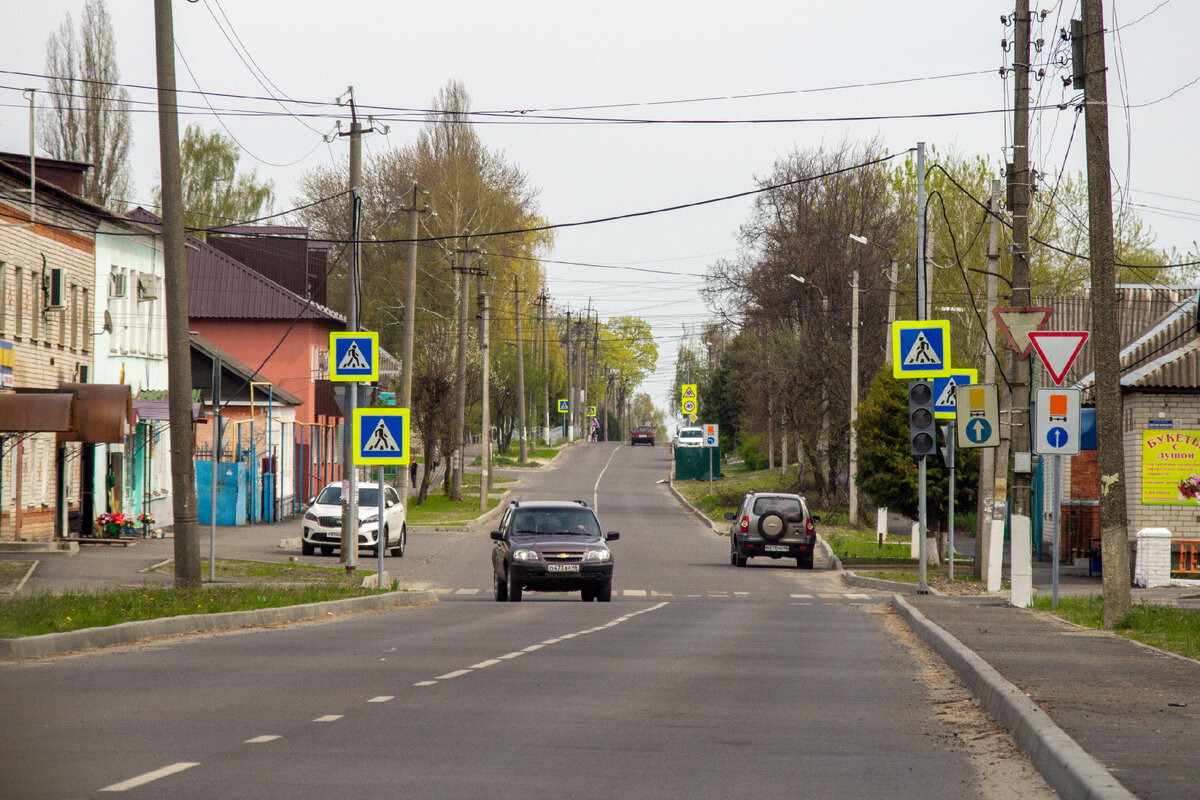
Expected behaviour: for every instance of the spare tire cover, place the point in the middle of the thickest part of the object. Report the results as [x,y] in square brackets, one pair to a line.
[772,525]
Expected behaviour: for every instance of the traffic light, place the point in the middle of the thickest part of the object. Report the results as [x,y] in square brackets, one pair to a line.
[922,430]
[947,449]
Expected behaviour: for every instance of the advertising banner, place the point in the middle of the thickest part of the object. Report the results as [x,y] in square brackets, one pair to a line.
[1170,468]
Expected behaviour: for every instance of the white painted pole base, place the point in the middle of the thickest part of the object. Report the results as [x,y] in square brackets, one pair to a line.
[995,554]
[914,546]
[1021,569]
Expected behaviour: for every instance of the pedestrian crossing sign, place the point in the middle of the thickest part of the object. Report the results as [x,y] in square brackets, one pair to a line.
[354,356]
[921,349]
[945,400]
[381,436]
[689,391]
[591,411]
[564,405]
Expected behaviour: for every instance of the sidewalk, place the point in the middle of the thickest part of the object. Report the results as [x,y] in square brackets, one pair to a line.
[1133,709]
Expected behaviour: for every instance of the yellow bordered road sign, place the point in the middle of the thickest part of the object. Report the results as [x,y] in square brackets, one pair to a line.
[354,356]
[945,391]
[978,416]
[381,436]
[591,411]
[564,405]
[689,391]
[920,349]
[689,406]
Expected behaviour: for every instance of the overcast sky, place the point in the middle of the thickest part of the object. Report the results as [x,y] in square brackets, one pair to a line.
[806,60]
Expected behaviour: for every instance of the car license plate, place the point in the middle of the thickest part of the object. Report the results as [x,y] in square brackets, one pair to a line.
[562,568]
[776,548]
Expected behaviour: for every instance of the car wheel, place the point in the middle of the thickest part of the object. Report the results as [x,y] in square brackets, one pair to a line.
[604,592]
[513,588]
[772,526]
[499,588]
[306,548]
[398,549]
[588,595]
[326,551]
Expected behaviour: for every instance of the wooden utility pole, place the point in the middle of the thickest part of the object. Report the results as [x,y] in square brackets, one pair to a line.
[418,205]
[485,439]
[460,377]
[520,371]
[1106,336]
[179,345]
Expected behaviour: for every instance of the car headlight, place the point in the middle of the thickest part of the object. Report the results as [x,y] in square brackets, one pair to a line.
[370,520]
[525,555]
[597,555]
[310,516]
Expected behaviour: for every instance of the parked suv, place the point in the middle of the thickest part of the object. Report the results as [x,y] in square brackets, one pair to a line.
[690,437]
[323,520]
[773,524]
[551,546]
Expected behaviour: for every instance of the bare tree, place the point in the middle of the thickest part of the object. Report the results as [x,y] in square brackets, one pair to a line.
[87,118]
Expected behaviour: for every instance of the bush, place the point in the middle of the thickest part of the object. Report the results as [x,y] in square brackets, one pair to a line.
[753,455]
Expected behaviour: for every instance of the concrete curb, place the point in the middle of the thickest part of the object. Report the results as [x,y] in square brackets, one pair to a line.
[128,632]
[853,579]
[1065,765]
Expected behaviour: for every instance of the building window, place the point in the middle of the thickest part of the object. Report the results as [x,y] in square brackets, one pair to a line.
[19,310]
[3,297]
[74,317]
[87,338]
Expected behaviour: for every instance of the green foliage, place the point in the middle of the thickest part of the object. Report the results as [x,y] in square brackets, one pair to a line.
[753,453]
[1173,629]
[213,191]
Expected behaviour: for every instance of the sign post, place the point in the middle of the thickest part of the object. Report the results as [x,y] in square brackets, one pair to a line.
[711,437]
[381,437]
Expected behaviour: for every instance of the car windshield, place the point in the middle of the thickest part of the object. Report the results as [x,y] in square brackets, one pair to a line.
[555,521]
[788,506]
[694,434]
[332,496]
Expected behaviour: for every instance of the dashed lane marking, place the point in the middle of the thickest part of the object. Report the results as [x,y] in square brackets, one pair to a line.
[455,674]
[383,698]
[483,664]
[513,654]
[467,591]
[148,777]
[425,683]
[262,739]
[329,718]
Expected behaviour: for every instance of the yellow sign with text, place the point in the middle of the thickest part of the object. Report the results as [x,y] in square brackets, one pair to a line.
[1170,468]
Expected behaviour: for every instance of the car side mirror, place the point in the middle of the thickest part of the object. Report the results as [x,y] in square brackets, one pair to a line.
[611,535]
[730,515]
[498,536]
[390,503]
[815,518]
[312,500]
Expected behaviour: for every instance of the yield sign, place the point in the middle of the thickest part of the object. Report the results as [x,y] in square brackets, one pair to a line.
[1017,323]
[1058,350]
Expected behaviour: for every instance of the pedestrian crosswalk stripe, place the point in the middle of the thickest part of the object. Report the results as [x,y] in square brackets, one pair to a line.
[802,597]
[715,594]
[827,596]
[857,596]
[634,592]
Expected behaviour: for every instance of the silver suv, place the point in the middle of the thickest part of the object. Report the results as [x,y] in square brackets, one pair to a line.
[775,525]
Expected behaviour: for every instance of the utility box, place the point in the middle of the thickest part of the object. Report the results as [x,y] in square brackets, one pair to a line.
[692,463]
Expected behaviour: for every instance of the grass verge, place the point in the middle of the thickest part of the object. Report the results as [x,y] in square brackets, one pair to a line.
[441,510]
[1176,630]
[11,573]
[536,458]
[41,613]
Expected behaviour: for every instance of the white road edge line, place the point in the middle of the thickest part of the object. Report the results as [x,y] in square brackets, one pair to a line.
[596,487]
[147,777]
[487,663]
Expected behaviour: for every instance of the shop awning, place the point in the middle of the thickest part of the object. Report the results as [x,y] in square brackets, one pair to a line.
[35,413]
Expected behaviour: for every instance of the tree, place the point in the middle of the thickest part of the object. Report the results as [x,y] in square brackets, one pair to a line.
[88,120]
[213,191]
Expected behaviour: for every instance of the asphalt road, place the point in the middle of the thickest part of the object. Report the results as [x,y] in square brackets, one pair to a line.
[699,680]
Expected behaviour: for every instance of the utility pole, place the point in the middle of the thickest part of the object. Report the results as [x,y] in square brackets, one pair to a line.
[853,458]
[922,585]
[460,375]
[1114,543]
[520,369]
[894,282]
[485,474]
[570,386]
[179,346]
[1021,569]
[596,349]
[418,205]
[989,457]
[543,307]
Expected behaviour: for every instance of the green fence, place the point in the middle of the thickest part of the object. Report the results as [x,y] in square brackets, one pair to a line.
[692,463]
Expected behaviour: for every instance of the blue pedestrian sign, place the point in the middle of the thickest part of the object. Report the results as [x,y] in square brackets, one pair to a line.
[381,436]
[921,349]
[354,356]
[945,402]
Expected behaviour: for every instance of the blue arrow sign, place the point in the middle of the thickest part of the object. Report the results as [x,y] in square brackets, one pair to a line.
[1057,437]
[979,430]
[381,436]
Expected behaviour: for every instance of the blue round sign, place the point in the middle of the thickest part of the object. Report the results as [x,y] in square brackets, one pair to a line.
[1057,437]
[979,430]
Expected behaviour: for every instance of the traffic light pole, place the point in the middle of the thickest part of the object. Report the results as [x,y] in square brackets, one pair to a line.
[922,584]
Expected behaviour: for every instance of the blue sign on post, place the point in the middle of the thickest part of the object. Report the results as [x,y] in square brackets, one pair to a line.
[921,349]
[945,402]
[381,436]
[354,356]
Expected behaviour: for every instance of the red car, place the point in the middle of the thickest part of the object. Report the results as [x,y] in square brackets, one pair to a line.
[643,434]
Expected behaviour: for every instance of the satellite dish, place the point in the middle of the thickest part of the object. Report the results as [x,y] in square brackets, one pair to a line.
[108,324]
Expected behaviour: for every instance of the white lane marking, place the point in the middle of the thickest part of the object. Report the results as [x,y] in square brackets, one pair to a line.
[827,596]
[633,592]
[532,648]
[552,641]
[661,594]
[147,777]
[742,594]
[466,591]
[329,718]
[859,596]
[513,654]
[261,739]
[383,698]
[568,636]
[802,597]
[424,683]
[487,663]
[456,674]
[596,488]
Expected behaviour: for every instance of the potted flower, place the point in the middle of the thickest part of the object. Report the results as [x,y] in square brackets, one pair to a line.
[145,519]
[114,523]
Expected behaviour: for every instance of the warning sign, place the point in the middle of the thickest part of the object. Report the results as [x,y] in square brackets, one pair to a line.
[381,440]
[689,391]
[381,436]
[921,349]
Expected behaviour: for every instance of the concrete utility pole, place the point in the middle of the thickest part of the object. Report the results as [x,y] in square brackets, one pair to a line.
[460,376]
[1021,569]
[485,439]
[520,370]
[570,386]
[922,528]
[596,349]
[1106,337]
[349,548]
[988,455]
[543,307]
[179,346]
[417,205]
[853,458]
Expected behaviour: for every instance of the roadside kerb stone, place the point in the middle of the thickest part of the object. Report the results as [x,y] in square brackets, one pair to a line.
[129,632]
[1066,766]
[854,579]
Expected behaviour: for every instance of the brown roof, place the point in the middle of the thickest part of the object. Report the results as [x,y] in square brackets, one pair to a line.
[1159,337]
[220,287]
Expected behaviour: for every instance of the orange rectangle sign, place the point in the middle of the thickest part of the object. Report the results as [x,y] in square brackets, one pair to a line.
[1058,405]
[977,398]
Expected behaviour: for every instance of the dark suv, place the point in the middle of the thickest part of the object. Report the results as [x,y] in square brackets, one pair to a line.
[773,524]
[551,546]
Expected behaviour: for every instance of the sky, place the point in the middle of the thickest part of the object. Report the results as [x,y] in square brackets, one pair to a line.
[823,73]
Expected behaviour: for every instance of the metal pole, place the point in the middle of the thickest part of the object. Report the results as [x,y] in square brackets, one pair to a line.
[922,585]
[379,543]
[485,471]
[1055,488]
[950,456]
[216,462]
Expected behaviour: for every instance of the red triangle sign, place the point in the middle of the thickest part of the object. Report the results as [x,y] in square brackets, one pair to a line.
[1058,350]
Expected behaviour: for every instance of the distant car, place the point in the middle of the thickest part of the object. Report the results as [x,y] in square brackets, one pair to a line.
[551,546]
[773,524]
[643,434]
[690,437]
[323,520]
